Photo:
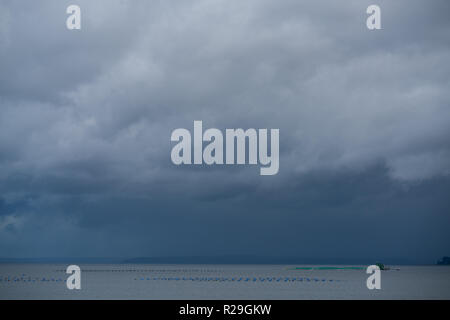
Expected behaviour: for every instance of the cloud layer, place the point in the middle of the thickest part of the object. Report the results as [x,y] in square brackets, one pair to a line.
[86,118]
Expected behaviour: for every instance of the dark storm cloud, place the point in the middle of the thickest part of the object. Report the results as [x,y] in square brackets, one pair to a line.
[86,118]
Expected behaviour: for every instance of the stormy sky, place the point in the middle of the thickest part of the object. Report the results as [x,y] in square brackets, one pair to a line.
[364,118]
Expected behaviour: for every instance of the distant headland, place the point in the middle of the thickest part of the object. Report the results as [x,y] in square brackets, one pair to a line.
[444,261]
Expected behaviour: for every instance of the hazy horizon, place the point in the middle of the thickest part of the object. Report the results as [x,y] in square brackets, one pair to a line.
[205,260]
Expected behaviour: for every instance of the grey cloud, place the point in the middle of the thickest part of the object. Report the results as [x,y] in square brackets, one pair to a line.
[86,117]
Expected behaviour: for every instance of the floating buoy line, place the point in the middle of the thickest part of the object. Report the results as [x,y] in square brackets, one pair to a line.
[28,279]
[237,279]
[145,270]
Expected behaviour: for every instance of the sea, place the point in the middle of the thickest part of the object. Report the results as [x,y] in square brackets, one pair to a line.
[157,281]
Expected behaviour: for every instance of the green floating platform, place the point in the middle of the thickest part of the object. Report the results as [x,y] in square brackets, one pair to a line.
[327,268]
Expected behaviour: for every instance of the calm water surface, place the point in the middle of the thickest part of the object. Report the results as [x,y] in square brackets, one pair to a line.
[115,281]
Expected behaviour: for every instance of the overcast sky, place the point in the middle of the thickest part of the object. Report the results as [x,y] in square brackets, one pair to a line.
[364,118]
